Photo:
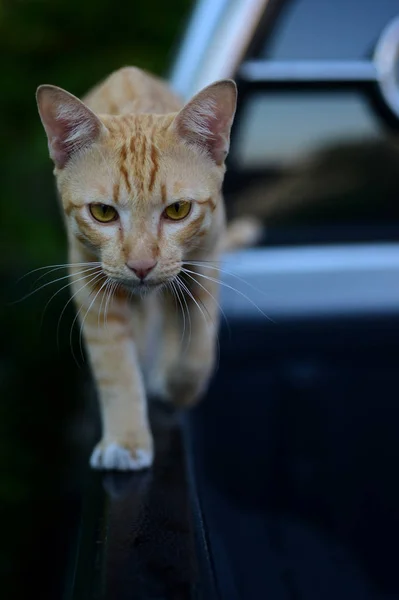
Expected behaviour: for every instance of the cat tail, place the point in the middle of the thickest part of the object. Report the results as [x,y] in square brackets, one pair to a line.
[242,232]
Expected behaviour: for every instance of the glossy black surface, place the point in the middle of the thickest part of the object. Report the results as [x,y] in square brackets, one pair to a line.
[67,532]
[135,539]
[294,455]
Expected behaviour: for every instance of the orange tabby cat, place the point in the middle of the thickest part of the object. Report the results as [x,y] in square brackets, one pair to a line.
[140,179]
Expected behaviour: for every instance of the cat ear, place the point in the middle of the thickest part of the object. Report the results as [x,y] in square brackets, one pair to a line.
[207,119]
[70,126]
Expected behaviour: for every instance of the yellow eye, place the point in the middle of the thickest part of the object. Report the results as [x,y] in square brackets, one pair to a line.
[103,213]
[178,210]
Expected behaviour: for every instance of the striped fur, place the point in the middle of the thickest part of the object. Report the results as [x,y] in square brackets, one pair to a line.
[130,144]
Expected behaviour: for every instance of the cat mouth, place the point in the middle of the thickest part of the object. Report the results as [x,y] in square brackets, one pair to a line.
[143,286]
[140,287]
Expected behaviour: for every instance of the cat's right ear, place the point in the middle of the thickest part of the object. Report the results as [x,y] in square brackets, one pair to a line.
[69,124]
[206,120]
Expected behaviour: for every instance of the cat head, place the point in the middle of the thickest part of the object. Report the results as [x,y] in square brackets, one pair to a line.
[141,192]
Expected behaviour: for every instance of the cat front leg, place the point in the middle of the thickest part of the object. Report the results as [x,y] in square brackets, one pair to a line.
[126,442]
[188,377]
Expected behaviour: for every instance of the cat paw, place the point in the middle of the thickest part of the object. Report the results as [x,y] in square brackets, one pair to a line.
[115,457]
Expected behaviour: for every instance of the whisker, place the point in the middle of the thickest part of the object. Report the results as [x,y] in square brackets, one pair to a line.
[211,295]
[170,288]
[176,289]
[47,284]
[200,264]
[183,304]
[112,289]
[106,297]
[180,287]
[84,318]
[189,293]
[226,285]
[108,280]
[108,302]
[113,292]
[95,275]
[63,288]
[95,278]
[215,325]
[59,266]
[203,262]
[210,318]
[96,266]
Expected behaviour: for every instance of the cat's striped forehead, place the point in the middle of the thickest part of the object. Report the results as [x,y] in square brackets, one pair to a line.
[137,142]
[150,164]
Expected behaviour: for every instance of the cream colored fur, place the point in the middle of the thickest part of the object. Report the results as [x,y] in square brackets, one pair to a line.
[132,146]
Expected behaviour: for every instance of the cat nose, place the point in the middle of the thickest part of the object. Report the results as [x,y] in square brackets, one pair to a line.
[142,267]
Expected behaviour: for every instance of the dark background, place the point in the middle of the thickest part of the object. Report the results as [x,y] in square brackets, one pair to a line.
[345,189]
[44,391]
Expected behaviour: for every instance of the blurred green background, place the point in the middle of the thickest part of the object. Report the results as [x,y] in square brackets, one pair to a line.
[73,44]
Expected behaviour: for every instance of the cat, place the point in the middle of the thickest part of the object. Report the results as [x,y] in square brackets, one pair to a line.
[139,176]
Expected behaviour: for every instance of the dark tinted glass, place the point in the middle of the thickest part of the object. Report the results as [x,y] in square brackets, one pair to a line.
[322,158]
[279,127]
[326,29]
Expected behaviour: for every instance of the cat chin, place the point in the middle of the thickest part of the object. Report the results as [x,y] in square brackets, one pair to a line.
[135,288]
[142,289]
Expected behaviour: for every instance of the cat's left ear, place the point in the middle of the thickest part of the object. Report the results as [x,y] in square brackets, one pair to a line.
[69,124]
[207,119]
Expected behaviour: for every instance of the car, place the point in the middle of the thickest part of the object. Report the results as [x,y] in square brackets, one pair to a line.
[282,483]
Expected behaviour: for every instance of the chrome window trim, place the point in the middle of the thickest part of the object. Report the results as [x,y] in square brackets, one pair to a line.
[203,21]
[381,70]
[253,71]
[318,281]
[215,43]
[386,60]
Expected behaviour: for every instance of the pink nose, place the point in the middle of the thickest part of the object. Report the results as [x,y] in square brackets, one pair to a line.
[142,267]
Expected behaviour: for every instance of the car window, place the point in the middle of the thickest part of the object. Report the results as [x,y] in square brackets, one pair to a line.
[318,156]
[278,127]
[328,30]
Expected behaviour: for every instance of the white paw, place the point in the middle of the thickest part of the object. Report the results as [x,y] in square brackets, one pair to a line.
[116,457]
